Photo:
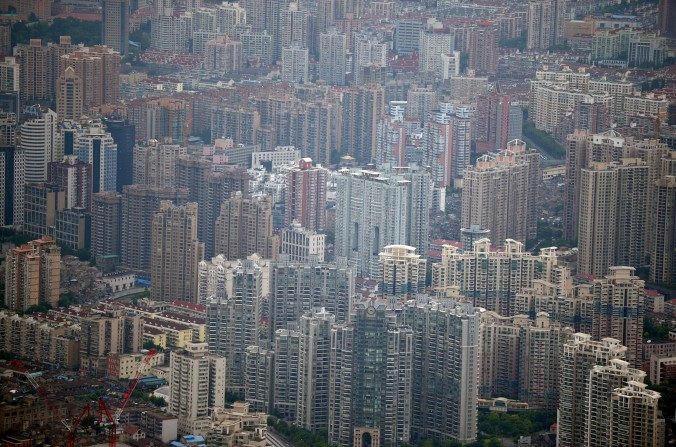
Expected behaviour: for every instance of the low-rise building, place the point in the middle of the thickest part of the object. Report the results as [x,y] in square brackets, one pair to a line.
[238,426]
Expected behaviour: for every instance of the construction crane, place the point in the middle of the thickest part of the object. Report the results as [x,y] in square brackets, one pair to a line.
[104,410]
[71,427]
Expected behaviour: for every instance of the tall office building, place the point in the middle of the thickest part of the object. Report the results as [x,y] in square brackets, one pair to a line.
[97,147]
[492,278]
[258,378]
[233,321]
[332,57]
[635,417]
[612,215]
[363,106]
[297,288]
[139,205]
[295,63]
[196,384]
[11,171]
[445,368]
[402,271]
[579,356]
[32,274]
[287,365]
[39,142]
[461,146]
[74,176]
[313,372]
[124,136]
[244,227]
[106,229]
[520,358]
[546,20]
[663,250]
[376,209]
[499,193]
[306,195]
[69,95]
[176,253]
[370,383]
[115,25]
[666,16]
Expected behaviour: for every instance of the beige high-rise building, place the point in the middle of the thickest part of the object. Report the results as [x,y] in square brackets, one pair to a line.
[32,274]
[402,271]
[69,95]
[99,69]
[176,253]
[9,75]
[34,71]
[499,193]
[635,418]
[258,378]
[492,279]
[579,356]
[520,358]
[115,26]
[619,297]
[287,361]
[244,227]
[546,20]
[196,384]
[603,379]
[612,215]
[106,224]
[156,163]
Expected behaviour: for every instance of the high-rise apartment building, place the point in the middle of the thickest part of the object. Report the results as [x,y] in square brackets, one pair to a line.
[434,43]
[294,26]
[258,378]
[9,75]
[499,193]
[295,63]
[42,204]
[666,17]
[32,274]
[663,249]
[34,72]
[502,121]
[370,383]
[363,106]
[12,170]
[445,369]
[612,215]
[635,417]
[287,366]
[196,384]
[244,227]
[306,195]
[69,97]
[97,147]
[115,25]
[376,209]
[520,358]
[139,205]
[106,225]
[619,300]
[74,176]
[491,279]
[297,288]
[156,164]
[176,253]
[332,57]
[39,142]
[312,412]
[299,244]
[579,356]
[402,271]
[546,19]
[99,69]
[234,319]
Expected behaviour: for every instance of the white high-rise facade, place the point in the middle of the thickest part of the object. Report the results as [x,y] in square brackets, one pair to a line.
[40,144]
[97,147]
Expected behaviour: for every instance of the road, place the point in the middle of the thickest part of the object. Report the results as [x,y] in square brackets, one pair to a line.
[277,440]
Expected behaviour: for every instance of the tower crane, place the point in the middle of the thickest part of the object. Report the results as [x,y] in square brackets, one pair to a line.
[104,410]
